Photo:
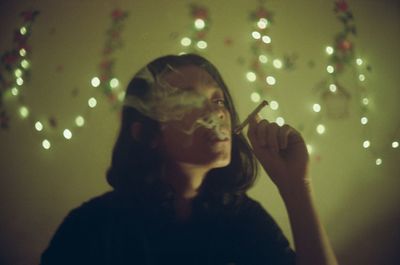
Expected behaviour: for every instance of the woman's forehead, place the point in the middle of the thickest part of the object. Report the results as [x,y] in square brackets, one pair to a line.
[189,76]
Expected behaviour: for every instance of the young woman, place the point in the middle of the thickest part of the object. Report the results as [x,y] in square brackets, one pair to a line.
[180,175]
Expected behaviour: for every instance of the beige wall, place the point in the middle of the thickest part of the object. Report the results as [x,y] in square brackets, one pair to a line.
[357,200]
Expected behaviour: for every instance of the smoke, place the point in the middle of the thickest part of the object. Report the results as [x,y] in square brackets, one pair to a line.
[166,103]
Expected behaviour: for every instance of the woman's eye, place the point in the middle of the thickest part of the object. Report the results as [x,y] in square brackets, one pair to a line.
[220,102]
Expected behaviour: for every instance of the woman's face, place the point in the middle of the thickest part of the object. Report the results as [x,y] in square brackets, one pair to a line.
[203,136]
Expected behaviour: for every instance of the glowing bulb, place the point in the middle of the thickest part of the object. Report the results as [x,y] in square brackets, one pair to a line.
[25,64]
[378,161]
[262,23]
[79,121]
[280,121]
[364,120]
[266,39]
[95,81]
[395,144]
[330,69]
[22,52]
[121,95]
[366,144]
[18,72]
[202,44]
[332,88]
[46,144]
[361,77]
[263,59]
[14,91]
[67,134]
[316,107]
[256,35]
[277,63]
[255,97]
[24,112]
[359,61]
[270,80]
[92,102]
[38,126]
[186,41]
[365,101]
[320,129]
[20,81]
[274,105]
[251,76]
[199,23]
[329,50]
[114,83]
[23,30]
[309,148]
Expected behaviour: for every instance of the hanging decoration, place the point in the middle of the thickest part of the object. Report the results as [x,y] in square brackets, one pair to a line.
[335,96]
[195,41]
[15,66]
[263,64]
[107,82]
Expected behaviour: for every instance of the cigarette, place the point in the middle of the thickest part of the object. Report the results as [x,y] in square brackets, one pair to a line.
[240,127]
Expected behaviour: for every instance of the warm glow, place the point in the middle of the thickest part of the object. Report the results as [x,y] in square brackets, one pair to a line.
[255,97]
[38,126]
[251,76]
[270,80]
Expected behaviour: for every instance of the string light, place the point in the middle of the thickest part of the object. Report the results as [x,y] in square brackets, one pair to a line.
[38,126]
[364,120]
[114,83]
[202,44]
[361,77]
[92,102]
[332,88]
[263,59]
[14,91]
[320,129]
[262,23]
[378,161]
[186,41]
[395,144]
[251,76]
[95,81]
[20,81]
[274,105]
[280,121]
[310,149]
[67,134]
[256,35]
[359,61]
[23,111]
[317,107]
[23,30]
[277,63]
[266,39]
[46,144]
[330,69]
[329,50]
[25,64]
[365,101]
[271,80]
[199,23]
[22,52]
[255,97]
[79,121]
[18,72]
[366,144]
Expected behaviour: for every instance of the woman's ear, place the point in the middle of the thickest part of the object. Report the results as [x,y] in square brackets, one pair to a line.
[136,131]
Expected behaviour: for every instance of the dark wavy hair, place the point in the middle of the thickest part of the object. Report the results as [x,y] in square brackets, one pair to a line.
[136,166]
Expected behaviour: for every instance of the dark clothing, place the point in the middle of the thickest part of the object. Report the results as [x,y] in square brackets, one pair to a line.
[107,230]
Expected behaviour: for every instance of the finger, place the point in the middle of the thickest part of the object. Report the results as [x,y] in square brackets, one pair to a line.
[272,136]
[283,135]
[252,130]
[262,132]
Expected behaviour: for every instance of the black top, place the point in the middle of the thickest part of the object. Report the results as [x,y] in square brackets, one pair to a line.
[107,230]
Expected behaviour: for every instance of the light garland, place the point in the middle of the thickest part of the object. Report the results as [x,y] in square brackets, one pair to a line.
[263,64]
[195,41]
[341,56]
